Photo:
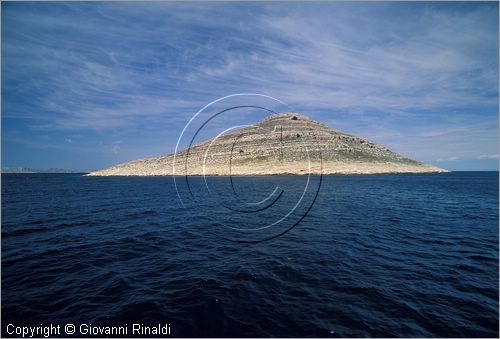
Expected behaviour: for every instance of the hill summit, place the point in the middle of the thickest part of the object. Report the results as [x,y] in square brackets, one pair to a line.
[284,143]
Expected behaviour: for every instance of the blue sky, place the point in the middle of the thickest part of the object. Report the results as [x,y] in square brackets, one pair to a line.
[87,85]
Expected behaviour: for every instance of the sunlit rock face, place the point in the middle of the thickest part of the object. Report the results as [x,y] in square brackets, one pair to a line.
[285,143]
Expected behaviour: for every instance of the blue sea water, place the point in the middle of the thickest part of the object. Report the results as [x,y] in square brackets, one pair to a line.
[376,255]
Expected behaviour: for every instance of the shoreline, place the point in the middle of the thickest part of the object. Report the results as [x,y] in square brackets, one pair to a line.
[91,174]
[269,169]
[267,175]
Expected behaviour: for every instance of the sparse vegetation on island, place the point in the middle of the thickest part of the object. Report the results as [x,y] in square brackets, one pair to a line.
[285,143]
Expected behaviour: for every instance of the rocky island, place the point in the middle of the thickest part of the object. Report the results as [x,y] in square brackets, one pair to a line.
[284,143]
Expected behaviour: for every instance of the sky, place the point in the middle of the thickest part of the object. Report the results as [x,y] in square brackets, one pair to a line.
[89,85]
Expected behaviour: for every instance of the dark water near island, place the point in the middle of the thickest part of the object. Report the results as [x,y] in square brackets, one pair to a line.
[379,255]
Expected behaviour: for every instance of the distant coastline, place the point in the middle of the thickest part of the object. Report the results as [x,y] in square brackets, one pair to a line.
[36,170]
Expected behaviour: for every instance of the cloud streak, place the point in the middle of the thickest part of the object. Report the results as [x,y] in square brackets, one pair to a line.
[488,157]
[420,72]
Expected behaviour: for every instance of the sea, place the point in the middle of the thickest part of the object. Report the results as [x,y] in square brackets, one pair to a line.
[390,255]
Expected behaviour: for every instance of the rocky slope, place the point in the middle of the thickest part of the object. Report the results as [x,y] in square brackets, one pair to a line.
[286,143]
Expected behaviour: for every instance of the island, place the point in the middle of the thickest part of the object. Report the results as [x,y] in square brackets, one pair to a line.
[282,144]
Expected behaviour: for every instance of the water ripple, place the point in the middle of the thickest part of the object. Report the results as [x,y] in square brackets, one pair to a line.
[380,256]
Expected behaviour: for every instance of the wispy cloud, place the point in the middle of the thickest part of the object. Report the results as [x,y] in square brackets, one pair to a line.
[488,157]
[447,159]
[420,77]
